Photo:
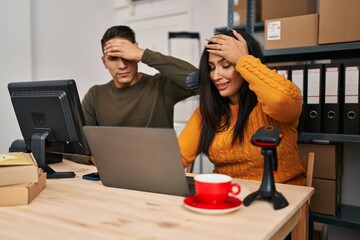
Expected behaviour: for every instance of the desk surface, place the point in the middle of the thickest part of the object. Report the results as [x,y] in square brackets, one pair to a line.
[83,209]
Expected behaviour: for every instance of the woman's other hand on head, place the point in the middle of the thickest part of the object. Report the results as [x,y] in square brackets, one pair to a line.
[230,48]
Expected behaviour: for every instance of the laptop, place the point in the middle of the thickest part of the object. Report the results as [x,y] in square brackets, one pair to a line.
[144,159]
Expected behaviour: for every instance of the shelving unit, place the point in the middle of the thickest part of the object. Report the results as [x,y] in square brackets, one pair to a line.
[258,27]
[320,52]
[305,137]
[347,216]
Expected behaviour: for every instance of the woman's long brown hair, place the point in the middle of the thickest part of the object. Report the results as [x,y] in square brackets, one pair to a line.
[215,109]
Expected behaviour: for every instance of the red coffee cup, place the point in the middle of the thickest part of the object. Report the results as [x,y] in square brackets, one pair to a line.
[214,188]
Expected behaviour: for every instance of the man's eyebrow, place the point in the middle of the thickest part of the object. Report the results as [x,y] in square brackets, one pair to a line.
[112,57]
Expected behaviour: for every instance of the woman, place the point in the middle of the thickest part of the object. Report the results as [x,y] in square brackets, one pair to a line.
[239,95]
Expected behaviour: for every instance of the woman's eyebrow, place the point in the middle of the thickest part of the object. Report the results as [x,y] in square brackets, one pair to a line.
[220,61]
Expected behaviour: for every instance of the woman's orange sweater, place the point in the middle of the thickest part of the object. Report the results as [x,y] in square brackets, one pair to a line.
[279,104]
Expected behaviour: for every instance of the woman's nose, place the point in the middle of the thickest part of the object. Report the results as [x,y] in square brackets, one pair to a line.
[217,74]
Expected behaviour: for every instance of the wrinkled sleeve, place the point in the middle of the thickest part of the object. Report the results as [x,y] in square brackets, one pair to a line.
[280,98]
[189,139]
[88,108]
[179,71]
[83,159]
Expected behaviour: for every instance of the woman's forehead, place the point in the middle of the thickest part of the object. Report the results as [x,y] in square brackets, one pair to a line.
[216,59]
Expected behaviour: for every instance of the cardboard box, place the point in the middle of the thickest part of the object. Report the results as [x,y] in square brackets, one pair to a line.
[326,199]
[320,231]
[17,168]
[290,32]
[21,194]
[328,159]
[271,9]
[339,21]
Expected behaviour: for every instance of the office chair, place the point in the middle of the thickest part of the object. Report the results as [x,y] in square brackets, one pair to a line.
[308,163]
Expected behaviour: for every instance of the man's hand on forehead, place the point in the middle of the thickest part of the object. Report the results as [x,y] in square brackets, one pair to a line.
[123,48]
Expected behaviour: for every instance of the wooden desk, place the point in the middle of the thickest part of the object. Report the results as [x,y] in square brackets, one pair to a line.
[83,209]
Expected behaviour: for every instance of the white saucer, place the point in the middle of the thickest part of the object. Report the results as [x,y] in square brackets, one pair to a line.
[231,204]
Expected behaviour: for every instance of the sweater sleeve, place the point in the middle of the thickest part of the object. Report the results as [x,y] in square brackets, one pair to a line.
[189,139]
[173,68]
[89,108]
[280,98]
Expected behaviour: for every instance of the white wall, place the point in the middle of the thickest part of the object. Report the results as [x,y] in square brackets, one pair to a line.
[205,17]
[66,38]
[15,62]
[45,40]
[153,20]
[59,39]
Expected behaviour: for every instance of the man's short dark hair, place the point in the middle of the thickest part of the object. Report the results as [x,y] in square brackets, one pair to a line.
[120,31]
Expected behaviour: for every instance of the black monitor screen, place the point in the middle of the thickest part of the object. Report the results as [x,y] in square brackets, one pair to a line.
[50,117]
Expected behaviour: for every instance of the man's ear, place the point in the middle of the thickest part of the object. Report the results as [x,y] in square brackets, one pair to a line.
[103,60]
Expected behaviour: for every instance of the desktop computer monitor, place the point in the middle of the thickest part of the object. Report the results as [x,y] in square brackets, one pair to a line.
[50,118]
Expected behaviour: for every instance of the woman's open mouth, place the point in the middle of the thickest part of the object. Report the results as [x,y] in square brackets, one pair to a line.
[222,86]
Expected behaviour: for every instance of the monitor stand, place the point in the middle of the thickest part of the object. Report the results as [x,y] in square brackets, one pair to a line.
[38,146]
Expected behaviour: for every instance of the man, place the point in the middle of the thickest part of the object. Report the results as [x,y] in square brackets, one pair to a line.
[133,98]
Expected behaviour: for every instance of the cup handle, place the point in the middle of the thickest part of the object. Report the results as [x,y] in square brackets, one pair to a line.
[235,189]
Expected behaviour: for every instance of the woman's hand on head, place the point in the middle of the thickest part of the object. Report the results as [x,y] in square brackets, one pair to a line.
[232,49]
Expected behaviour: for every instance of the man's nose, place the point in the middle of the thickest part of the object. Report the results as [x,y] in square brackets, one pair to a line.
[121,63]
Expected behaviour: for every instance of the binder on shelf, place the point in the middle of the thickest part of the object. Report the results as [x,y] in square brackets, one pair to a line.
[297,73]
[314,98]
[351,120]
[332,115]
[284,70]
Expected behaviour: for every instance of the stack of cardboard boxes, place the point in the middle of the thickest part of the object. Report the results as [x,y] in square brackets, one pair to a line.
[21,181]
[308,23]
[327,176]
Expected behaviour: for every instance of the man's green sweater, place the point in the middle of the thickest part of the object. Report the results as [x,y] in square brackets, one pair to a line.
[148,103]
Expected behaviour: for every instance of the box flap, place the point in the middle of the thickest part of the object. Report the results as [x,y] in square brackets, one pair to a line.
[16,159]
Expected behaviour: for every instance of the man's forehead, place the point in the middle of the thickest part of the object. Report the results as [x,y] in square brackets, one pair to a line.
[119,39]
